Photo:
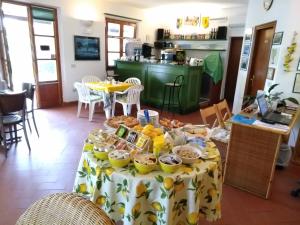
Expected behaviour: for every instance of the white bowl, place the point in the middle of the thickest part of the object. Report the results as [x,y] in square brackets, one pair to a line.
[189,154]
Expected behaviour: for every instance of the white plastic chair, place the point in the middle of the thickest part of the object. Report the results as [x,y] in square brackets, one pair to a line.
[87,79]
[133,80]
[128,98]
[84,96]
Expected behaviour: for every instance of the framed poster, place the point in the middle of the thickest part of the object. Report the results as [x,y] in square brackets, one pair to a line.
[248,37]
[274,56]
[244,63]
[86,48]
[277,39]
[296,88]
[270,73]
[246,49]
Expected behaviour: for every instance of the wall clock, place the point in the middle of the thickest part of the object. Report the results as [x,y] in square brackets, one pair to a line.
[267,4]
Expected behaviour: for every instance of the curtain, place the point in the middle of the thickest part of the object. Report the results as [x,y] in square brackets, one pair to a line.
[6,72]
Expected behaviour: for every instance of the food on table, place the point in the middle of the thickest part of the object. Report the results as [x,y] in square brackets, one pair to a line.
[169,163]
[142,141]
[151,131]
[122,131]
[132,136]
[121,145]
[138,128]
[188,153]
[128,121]
[119,158]
[145,163]
[101,150]
[199,141]
[171,123]
[196,131]
[112,140]
[146,159]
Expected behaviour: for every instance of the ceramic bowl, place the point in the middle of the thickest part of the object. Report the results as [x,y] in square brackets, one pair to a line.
[119,158]
[189,154]
[169,163]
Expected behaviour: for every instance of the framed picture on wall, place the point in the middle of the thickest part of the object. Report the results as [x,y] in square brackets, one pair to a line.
[244,63]
[248,37]
[270,73]
[246,49]
[296,88]
[274,56]
[277,39]
[86,48]
[298,67]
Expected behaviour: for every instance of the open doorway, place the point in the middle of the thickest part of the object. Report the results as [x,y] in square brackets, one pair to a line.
[263,39]
[18,37]
[32,37]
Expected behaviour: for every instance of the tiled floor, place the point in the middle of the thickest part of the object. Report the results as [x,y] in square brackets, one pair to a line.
[53,161]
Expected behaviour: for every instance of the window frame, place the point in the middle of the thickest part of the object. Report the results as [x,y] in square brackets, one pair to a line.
[122,23]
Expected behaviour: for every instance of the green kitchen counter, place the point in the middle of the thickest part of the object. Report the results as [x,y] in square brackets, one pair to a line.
[154,75]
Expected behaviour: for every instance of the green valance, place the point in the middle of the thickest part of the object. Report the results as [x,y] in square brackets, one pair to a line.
[42,14]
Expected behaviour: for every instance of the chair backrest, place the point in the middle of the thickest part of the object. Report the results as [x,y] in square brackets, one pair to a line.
[224,110]
[133,94]
[211,116]
[133,80]
[64,209]
[179,80]
[30,89]
[12,102]
[83,92]
[87,79]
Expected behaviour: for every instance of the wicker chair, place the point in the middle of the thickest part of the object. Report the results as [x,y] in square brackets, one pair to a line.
[64,209]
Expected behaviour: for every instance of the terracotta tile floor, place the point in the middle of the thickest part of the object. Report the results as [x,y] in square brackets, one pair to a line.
[53,161]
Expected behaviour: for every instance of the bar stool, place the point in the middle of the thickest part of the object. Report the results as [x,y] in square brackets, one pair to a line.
[177,84]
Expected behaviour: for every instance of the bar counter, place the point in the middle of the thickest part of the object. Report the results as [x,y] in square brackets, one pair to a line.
[154,75]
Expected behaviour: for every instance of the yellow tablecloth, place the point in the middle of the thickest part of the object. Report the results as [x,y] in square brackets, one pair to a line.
[156,198]
[103,86]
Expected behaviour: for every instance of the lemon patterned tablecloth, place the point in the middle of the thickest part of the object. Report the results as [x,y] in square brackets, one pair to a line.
[107,87]
[157,198]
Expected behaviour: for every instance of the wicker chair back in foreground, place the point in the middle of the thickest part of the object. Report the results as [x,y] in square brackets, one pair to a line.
[64,209]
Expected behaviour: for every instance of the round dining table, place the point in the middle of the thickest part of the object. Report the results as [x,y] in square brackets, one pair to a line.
[194,191]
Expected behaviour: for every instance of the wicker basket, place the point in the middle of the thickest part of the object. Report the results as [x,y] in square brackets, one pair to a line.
[64,209]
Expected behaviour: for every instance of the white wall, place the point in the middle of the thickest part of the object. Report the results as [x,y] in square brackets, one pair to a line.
[69,15]
[286,13]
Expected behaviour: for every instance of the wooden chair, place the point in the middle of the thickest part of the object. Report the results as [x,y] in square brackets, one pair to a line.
[211,116]
[224,111]
[64,209]
[30,89]
[12,115]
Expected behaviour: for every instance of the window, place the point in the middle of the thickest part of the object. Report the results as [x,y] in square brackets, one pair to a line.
[118,33]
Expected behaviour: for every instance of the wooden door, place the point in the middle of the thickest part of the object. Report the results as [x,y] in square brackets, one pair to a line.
[263,38]
[233,68]
[46,56]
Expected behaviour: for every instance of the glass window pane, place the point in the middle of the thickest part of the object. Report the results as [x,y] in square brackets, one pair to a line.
[113,44]
[47,70]
[128,31]
[45,47]
[43,27]
[112,57]
[113,29]
[14,9]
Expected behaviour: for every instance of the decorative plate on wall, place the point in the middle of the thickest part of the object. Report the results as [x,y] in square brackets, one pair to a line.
[268,4]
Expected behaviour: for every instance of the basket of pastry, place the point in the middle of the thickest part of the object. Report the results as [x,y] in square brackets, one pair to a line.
[128,121]
[170,124]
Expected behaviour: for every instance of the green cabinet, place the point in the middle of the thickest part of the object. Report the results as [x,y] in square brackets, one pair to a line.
[154,76]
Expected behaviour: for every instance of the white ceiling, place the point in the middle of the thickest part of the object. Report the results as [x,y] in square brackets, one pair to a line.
[143,4]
